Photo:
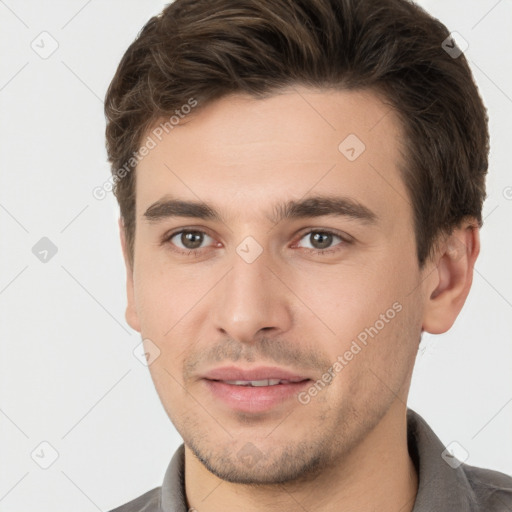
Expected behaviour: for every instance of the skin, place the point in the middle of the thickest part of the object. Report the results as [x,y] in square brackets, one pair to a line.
[347,448]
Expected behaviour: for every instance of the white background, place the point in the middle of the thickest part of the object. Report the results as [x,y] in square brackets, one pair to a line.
[68,374]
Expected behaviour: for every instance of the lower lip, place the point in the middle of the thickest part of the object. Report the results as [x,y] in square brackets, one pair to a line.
[254,398]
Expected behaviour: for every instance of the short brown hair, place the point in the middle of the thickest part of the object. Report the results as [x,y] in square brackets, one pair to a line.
[207,49]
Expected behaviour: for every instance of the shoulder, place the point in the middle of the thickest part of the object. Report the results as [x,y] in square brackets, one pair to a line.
[147,502]
[492,489]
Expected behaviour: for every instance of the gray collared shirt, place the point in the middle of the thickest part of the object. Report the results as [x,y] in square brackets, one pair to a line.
[444,484]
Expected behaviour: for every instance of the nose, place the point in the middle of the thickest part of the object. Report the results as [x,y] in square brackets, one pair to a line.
[252,299]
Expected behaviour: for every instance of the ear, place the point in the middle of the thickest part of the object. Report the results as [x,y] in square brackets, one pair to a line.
[448,285]
[131,311]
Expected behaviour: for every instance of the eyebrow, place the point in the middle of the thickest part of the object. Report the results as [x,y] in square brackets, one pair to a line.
[316,206]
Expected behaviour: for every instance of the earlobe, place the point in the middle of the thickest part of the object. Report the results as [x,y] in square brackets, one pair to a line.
[131,315]
[449,285]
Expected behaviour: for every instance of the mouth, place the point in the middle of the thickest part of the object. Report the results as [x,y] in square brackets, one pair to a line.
[261,383]
[261,375]
[254,393]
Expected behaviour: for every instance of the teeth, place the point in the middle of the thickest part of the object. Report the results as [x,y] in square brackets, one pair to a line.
[264,382]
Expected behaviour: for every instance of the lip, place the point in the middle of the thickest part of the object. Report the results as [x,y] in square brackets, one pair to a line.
[258,373]
[251,399]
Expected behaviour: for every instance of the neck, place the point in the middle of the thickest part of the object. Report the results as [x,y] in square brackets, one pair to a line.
[377,474]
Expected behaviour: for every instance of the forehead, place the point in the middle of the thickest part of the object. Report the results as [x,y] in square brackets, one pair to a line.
[241,151]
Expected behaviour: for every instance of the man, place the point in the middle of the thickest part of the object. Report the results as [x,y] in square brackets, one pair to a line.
[300,185]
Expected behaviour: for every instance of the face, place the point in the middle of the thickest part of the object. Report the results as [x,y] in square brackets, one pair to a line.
[302,270]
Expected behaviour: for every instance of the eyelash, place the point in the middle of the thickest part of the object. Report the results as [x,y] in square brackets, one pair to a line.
[345,240]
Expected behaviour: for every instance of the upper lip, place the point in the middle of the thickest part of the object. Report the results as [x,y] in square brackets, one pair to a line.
[258,373]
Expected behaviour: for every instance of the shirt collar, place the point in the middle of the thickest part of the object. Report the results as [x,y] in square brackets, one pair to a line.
[173,488]
[441,487]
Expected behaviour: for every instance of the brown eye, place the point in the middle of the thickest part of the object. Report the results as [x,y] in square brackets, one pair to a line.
[321,240]
[188,239]
[191,239]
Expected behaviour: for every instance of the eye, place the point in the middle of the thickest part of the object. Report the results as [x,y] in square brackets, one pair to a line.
[321,241]
[194,241]
[188,239]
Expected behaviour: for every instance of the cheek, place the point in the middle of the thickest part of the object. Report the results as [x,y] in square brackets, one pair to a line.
[375,357]
[369,312]
[163,296]
[171,310]
[348,298]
